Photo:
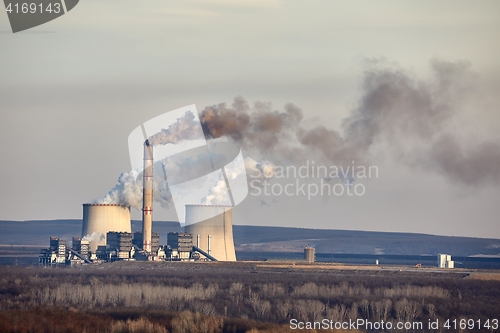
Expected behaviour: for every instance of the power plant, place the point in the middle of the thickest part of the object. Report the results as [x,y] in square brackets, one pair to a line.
[107,234]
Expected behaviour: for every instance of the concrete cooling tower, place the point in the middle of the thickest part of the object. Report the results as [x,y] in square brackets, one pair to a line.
[212,230]
[99,219]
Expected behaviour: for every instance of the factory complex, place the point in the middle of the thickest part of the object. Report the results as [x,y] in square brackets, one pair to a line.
[107,232]
[107,236]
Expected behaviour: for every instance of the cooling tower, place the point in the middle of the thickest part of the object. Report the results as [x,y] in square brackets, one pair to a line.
[214,234]
[99,219]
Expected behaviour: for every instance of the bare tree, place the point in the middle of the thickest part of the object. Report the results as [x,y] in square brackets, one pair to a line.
[272,289]
[309,290]
[336,313]
[235,290]
[283,309]
[316,310]
[300,310]
[364,305]
[402,309]
[352,312]
[262,309]
[431,309]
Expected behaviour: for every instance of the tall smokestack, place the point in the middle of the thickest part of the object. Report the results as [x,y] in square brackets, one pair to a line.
[147,197]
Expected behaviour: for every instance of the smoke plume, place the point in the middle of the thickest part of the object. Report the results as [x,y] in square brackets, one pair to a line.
[406,116]
[409,116]
[186,128]
[415,116]
[128,191]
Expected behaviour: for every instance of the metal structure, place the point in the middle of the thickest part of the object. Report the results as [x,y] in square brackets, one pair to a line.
[147,197]
[197,250]
[211,228]
[99,219]
[81,246]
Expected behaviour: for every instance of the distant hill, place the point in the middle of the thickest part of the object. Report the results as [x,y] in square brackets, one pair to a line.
[283,239]
[276,239]
[39,232]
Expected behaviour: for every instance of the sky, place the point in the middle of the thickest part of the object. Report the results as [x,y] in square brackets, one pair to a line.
[73,89]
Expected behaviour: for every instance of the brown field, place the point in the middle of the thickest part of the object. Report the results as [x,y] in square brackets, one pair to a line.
[485,276]
[235,297]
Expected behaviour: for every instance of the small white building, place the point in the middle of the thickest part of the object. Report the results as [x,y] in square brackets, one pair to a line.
[444,261]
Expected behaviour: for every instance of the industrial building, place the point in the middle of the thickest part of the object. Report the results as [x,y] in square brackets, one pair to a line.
[214,234]
[120,244]
[59,253]
[81,246]
[118,247]
[444,261]
[179,246]
[55,254]
[139,242]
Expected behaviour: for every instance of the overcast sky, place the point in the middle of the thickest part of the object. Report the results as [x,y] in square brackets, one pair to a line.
[73,89]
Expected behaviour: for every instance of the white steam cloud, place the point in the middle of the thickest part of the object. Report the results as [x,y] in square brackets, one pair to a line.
[253,170]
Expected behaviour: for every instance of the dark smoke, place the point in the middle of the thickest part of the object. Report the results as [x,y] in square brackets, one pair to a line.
[409,117]
[395,104]
[473,166]
[260,128]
